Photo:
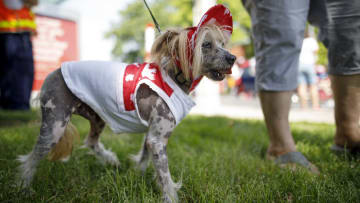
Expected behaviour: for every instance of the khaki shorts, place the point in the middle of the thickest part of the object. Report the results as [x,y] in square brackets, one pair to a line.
[278,30]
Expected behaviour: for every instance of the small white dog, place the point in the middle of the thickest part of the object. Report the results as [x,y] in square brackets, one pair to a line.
[149,97]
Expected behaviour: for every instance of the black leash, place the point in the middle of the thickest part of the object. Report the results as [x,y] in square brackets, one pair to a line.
[153,18]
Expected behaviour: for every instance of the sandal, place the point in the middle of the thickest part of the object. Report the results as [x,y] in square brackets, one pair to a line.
[343,150]
[294,159]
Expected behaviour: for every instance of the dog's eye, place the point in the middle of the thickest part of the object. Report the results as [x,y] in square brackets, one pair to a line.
[207,45]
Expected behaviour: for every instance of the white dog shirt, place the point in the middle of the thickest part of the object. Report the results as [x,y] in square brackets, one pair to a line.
[110,88]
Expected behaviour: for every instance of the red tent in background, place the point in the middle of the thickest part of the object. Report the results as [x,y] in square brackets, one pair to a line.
[56,41]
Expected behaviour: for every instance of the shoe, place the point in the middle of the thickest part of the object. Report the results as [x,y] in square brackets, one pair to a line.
[294,159]
[343,150]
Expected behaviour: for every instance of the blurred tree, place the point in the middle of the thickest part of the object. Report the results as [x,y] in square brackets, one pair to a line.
[322,55]
[129,32]
[242,23]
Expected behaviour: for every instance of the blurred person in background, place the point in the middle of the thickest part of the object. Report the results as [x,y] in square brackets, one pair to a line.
[17,25]
[278,29]
[307,77]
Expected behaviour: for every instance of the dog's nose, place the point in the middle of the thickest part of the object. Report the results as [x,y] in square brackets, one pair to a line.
[230,59]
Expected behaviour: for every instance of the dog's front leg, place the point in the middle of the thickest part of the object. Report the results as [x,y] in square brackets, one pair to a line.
[162,123]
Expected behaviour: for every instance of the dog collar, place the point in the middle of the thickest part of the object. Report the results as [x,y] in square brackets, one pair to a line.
[193,82]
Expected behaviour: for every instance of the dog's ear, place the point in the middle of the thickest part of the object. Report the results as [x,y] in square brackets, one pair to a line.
[165,43]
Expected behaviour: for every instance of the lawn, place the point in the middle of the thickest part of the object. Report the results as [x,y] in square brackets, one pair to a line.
[218,159]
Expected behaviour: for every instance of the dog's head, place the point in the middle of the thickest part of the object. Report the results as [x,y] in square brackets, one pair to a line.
[211,58]
[198,51]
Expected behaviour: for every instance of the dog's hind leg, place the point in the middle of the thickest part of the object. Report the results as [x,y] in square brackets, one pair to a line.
[96,127]
[50,132]
[57,104]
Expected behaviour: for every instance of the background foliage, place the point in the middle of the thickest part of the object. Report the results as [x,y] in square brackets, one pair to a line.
[129,32]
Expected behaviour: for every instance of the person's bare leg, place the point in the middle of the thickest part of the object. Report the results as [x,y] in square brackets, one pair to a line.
[302,89]
[282,149]
[346,90]
[314,96]
[276,107]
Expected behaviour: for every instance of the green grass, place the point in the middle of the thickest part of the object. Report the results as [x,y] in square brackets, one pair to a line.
[217,159]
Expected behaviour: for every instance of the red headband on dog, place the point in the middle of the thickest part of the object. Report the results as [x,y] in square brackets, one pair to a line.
[217,15]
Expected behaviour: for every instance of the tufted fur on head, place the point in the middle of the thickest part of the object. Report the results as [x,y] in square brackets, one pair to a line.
[173,45]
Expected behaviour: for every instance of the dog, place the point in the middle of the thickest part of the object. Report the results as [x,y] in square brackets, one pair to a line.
[149,97]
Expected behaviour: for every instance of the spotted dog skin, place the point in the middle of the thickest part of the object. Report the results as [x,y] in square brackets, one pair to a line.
[58,104]
[162,122]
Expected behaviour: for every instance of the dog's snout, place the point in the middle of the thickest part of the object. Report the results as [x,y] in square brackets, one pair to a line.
[230,59]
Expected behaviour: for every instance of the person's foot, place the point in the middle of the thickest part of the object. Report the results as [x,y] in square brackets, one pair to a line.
[354,151]
[293,160]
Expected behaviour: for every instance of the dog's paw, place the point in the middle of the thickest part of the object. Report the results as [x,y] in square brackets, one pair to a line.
[65,159]
[103,155]
[140,165]
[22,182]
[170,191]
[109,157]
[170,198]
[27,192]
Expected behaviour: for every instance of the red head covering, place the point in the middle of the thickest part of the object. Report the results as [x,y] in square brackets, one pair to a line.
[217,15]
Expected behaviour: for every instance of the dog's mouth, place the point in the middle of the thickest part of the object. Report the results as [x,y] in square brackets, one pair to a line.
[219,74]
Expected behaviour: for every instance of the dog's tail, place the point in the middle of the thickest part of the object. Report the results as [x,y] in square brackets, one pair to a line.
[64,147]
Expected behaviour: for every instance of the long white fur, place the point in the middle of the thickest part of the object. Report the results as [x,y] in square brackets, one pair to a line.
[175,45]
[103,155]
